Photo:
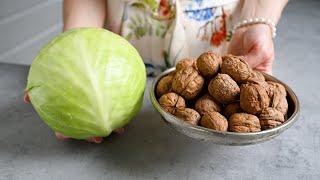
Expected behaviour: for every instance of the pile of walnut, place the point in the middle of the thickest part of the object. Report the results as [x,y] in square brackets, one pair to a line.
[222,93]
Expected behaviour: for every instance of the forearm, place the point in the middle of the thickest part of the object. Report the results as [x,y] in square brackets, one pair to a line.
[270,9]
[84,13]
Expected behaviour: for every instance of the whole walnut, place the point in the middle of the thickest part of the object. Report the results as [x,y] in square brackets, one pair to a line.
[232,108]
[171,102]
[258,78]
[187,82]
[236,67]
[208,64]
[270,118]
[275,88]
[243,122]
[164,85]
[257,75]
[223,88]
[253,98]
[186,62]
[172,73]
[189,115]
[280,103]
[277,94]
[207,104]
[214,120]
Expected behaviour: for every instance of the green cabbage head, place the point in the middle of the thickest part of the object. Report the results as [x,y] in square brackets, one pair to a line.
[87,82]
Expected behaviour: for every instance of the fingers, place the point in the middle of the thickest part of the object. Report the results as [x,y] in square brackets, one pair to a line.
[99,140]
[260,64]
[253,60]
[257,54]
[96,140]
[236,45]
[61,136]
[260,58]
[119,130]
[265,68]
[26,98]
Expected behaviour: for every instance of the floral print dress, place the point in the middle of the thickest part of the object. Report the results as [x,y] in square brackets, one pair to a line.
[165,31]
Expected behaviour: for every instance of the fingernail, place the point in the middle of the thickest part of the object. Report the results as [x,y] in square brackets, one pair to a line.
[26,98]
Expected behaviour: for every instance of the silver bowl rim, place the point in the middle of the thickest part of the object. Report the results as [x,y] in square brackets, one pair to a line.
[177,121]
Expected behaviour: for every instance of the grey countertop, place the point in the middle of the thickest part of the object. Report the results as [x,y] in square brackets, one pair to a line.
[151,150]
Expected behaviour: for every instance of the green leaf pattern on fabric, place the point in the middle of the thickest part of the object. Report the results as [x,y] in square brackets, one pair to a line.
[144,23]
[153,4]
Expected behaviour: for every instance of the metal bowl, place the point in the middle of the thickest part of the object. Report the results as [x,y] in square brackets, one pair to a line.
[227,138]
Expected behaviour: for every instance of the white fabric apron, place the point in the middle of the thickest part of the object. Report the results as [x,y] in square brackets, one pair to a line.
[165,31]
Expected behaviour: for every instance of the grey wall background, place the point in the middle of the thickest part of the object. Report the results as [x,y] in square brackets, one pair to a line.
[25,26]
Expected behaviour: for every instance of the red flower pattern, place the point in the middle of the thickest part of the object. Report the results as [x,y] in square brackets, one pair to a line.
[164,8]
[219,36]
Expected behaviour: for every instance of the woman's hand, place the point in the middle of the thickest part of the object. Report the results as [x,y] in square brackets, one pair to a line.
[60,136]
[255,42]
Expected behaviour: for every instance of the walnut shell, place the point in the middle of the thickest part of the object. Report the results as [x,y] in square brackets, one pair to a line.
[243,122]
[274,87]
[223,88]
[172,73]
[171,102]
[208,64]
[236,67]
[164,85]
[189,115]
[214,120]
[207,104]
[277,94]
[257,75]
[258,78]
[232,108]
[280,103]
[186,62]
[187,82]
[253,98]
[270,118]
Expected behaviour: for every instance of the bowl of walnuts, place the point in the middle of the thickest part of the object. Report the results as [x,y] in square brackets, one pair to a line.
[221,99]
